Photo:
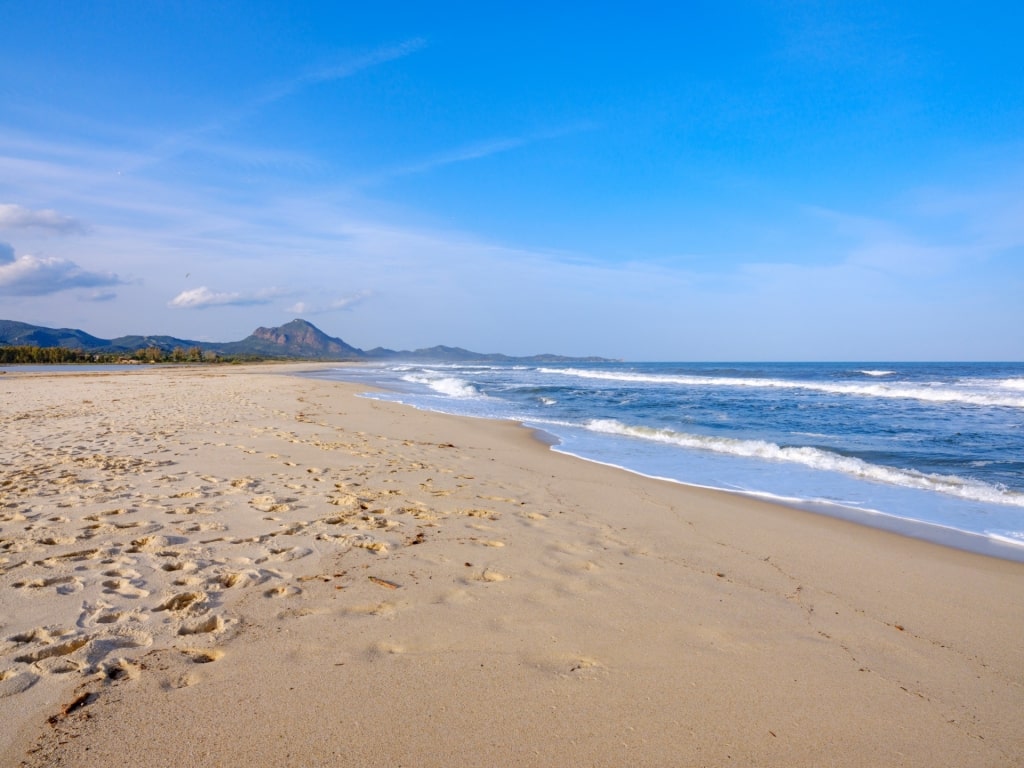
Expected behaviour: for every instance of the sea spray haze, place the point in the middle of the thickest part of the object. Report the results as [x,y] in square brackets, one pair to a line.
[937,446]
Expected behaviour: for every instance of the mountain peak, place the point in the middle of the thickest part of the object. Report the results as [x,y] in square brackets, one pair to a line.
[298,338]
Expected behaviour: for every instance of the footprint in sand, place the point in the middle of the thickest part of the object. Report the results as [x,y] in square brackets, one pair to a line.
[283,590]
[53,649]
[174,566]
[284,554]
[377,547]
[203,655]
[12,683]
[209,625]
[181,601]
[147,544]
[488,514]
[122,669]
[243,579]
[122,573]
[565,665]
[66,585]
[52,541]
[124,588]
[190,494]
[122,637]
[372,609]
[200,527]
[109,513]
[187,581]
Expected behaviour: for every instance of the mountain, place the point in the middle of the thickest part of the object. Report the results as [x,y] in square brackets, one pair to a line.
[459,355]
[13,333]
[165,343]
[297,340]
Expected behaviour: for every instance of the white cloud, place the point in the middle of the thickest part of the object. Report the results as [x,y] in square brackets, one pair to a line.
[18,217]
[98,296]
[40,275]
[203,297]
[343,303]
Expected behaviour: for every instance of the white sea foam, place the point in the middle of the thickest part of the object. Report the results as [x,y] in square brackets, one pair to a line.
[936,394]
[1016,384]
[816,458]
[1012,537]
[878,373]
[446,385]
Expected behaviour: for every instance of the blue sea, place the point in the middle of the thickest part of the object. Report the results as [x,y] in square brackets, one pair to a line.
[934,450]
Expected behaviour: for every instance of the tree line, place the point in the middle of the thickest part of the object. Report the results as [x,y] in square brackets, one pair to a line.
[60,355]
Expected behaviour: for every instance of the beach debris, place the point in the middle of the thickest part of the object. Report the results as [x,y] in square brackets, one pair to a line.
[383,583]
[74,705]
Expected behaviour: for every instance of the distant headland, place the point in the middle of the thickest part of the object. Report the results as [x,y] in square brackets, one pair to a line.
[297,340]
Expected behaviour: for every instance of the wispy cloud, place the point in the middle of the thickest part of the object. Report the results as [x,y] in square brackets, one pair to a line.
[29,275]
[98,296]
[475,151]
[203,297]
[335,72]
[469,152]
[14,216]
[337,305]
[189,139]
[929,242]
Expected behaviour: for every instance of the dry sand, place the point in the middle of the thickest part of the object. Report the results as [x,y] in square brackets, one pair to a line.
[235,567]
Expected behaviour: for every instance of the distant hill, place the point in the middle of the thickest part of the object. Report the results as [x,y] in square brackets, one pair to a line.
[297,340]
[13,333]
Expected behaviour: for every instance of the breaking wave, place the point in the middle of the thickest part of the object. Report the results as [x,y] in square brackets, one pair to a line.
[449,386]
[816,458]
[905,391]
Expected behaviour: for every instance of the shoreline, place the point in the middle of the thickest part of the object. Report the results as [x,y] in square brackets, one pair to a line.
[933,533]
[988,545]
[443,590]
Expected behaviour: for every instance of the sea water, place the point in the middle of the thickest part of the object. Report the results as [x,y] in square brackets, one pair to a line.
[931,449]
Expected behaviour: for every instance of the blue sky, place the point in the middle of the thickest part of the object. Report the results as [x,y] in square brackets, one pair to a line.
[700,181]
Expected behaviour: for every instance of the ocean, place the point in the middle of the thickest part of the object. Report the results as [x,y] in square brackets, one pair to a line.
[932,450]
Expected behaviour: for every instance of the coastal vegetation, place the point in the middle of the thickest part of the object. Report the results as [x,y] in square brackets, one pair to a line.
[32,355]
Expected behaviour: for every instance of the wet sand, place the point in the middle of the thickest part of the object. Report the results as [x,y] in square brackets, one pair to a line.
[232,566]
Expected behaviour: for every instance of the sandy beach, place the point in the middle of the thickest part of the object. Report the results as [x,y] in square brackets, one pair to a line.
[236,566]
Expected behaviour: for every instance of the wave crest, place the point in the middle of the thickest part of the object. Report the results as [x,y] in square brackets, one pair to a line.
[449,386]
[817,458]
[885,390]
